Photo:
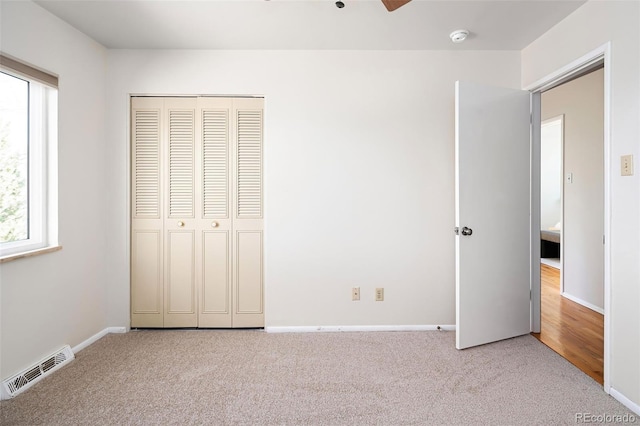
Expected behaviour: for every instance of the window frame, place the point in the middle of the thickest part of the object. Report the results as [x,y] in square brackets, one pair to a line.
[42,141]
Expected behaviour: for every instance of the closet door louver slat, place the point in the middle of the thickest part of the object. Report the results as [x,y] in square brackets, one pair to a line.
[181,163]
[249,164]
[146,174]
[215,140]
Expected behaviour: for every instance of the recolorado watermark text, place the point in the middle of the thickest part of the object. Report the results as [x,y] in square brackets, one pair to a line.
[605,418]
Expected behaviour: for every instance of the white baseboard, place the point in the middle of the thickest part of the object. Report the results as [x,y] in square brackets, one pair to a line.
[625,401]
[583,303]
[339,328]
[97,337]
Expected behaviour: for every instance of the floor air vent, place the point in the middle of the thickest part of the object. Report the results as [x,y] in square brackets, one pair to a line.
[27,378]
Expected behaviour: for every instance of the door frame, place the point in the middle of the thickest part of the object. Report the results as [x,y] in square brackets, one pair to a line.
[580,66]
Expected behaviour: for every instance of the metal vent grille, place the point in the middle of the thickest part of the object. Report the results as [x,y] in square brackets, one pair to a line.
[30,376]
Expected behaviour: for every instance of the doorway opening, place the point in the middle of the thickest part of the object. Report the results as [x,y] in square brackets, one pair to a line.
[572,292]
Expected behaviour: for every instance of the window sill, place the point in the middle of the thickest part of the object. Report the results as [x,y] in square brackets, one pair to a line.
[37,252]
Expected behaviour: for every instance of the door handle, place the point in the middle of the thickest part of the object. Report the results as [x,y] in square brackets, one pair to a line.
[214,224]
[467,231]
[180,224]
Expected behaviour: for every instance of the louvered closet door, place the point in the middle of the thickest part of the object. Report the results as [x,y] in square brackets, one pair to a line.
[147,263]
[214,212]
[248,223]
[180,224]
[197,219]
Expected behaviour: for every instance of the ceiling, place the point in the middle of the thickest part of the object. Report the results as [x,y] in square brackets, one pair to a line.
[310,24]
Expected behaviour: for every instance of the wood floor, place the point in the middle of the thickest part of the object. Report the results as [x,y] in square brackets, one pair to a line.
[570,329]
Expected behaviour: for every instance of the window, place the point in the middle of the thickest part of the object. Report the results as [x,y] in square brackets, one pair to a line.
[28,116]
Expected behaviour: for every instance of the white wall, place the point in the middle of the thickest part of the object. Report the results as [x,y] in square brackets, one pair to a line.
[60,298]
[589,27]
[550,174]
[582,103]
[359,169]
[359,150]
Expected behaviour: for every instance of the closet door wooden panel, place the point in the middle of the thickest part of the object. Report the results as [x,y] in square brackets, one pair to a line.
[180,225]
[146,278]
[248,297]
[180,286]
[248,223]
[147,264]
[215,308]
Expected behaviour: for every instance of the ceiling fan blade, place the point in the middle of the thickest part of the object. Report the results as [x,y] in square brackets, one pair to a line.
[392,5]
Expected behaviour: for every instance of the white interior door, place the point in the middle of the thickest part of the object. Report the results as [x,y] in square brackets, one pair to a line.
[492,214]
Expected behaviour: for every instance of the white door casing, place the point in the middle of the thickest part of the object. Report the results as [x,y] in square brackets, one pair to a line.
[493,202]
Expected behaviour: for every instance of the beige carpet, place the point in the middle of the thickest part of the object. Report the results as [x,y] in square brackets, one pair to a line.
[187,377]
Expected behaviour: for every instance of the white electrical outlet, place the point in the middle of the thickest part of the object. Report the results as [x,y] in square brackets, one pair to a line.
[379,294]
[355,293]
[626,165]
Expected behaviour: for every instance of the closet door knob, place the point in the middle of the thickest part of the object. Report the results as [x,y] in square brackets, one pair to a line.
[214,224]
[180,223]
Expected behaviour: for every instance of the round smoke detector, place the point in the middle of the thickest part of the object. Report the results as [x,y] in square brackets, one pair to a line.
[458,36]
